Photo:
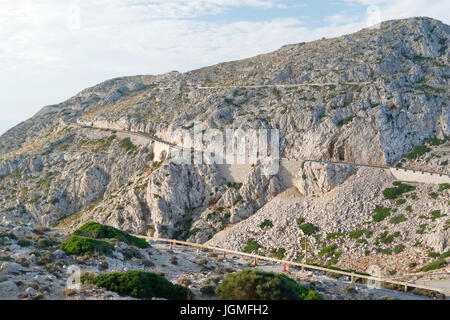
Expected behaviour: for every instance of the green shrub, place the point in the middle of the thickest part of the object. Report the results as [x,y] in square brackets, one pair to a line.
[398,219]
[399,202]
[266,224]
[329,250]
[435,142]
[417,152]
[79,245]
[356,234]
[100,231]
[278,253]
[399,248]
[260,285]
[436,214]
[387,251]
[409,208]
[433,195]
[387,238]
[251,246]
[433,254]
[438,264]
[308,228]
[139,284]
[234,185]
[127,145]
[345,121]
[422,228]
[397,190]
[444,186]
[381,213]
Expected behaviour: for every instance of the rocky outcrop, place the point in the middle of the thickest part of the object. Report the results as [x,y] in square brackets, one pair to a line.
[439,241]
[317,179]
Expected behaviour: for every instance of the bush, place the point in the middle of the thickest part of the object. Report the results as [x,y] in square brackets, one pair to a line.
[381,213]
[81,246]
[251,246]
[417,152]
[399,248]
[356,234]
[279,254]
[127,145]
[139,284]
[387,238]
[308,228]
[397,190]
[266,224]
[444,186]
[259,285]
[398,219]
[436,214]
[439,264]
[345,121]
[99,231]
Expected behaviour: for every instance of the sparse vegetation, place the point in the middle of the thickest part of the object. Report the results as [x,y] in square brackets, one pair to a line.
[345,121]
[308,228]
[251,246]
[436,214]
[417,152]
[397,190]
[266,224]
[278,253]
[439,264]
[398,219]
[399,248]
[387,238]
[381,213]
[127,145]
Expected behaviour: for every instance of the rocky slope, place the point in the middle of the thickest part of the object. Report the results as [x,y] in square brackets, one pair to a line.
[368,97]
[32,267]
[349,232]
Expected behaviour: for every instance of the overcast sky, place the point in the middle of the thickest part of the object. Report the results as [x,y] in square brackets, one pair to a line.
[52,49]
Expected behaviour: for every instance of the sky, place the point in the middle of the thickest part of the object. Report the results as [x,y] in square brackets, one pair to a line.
[52,49]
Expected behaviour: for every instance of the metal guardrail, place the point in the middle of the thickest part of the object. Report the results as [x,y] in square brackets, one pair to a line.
[303,266]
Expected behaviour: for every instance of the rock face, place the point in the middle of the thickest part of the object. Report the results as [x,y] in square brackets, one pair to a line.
[367,97]
[439,241]
[316,178]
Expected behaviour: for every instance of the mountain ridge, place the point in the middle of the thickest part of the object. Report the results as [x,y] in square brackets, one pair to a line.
[395,113]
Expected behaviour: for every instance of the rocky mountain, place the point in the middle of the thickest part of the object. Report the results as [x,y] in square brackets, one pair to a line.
[378,96]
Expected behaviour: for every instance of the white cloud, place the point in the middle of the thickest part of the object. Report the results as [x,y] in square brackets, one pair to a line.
[398,9]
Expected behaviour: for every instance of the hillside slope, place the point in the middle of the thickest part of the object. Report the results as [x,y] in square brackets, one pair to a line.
[368,97]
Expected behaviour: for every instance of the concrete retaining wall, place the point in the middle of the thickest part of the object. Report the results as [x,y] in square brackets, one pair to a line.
[419,176]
